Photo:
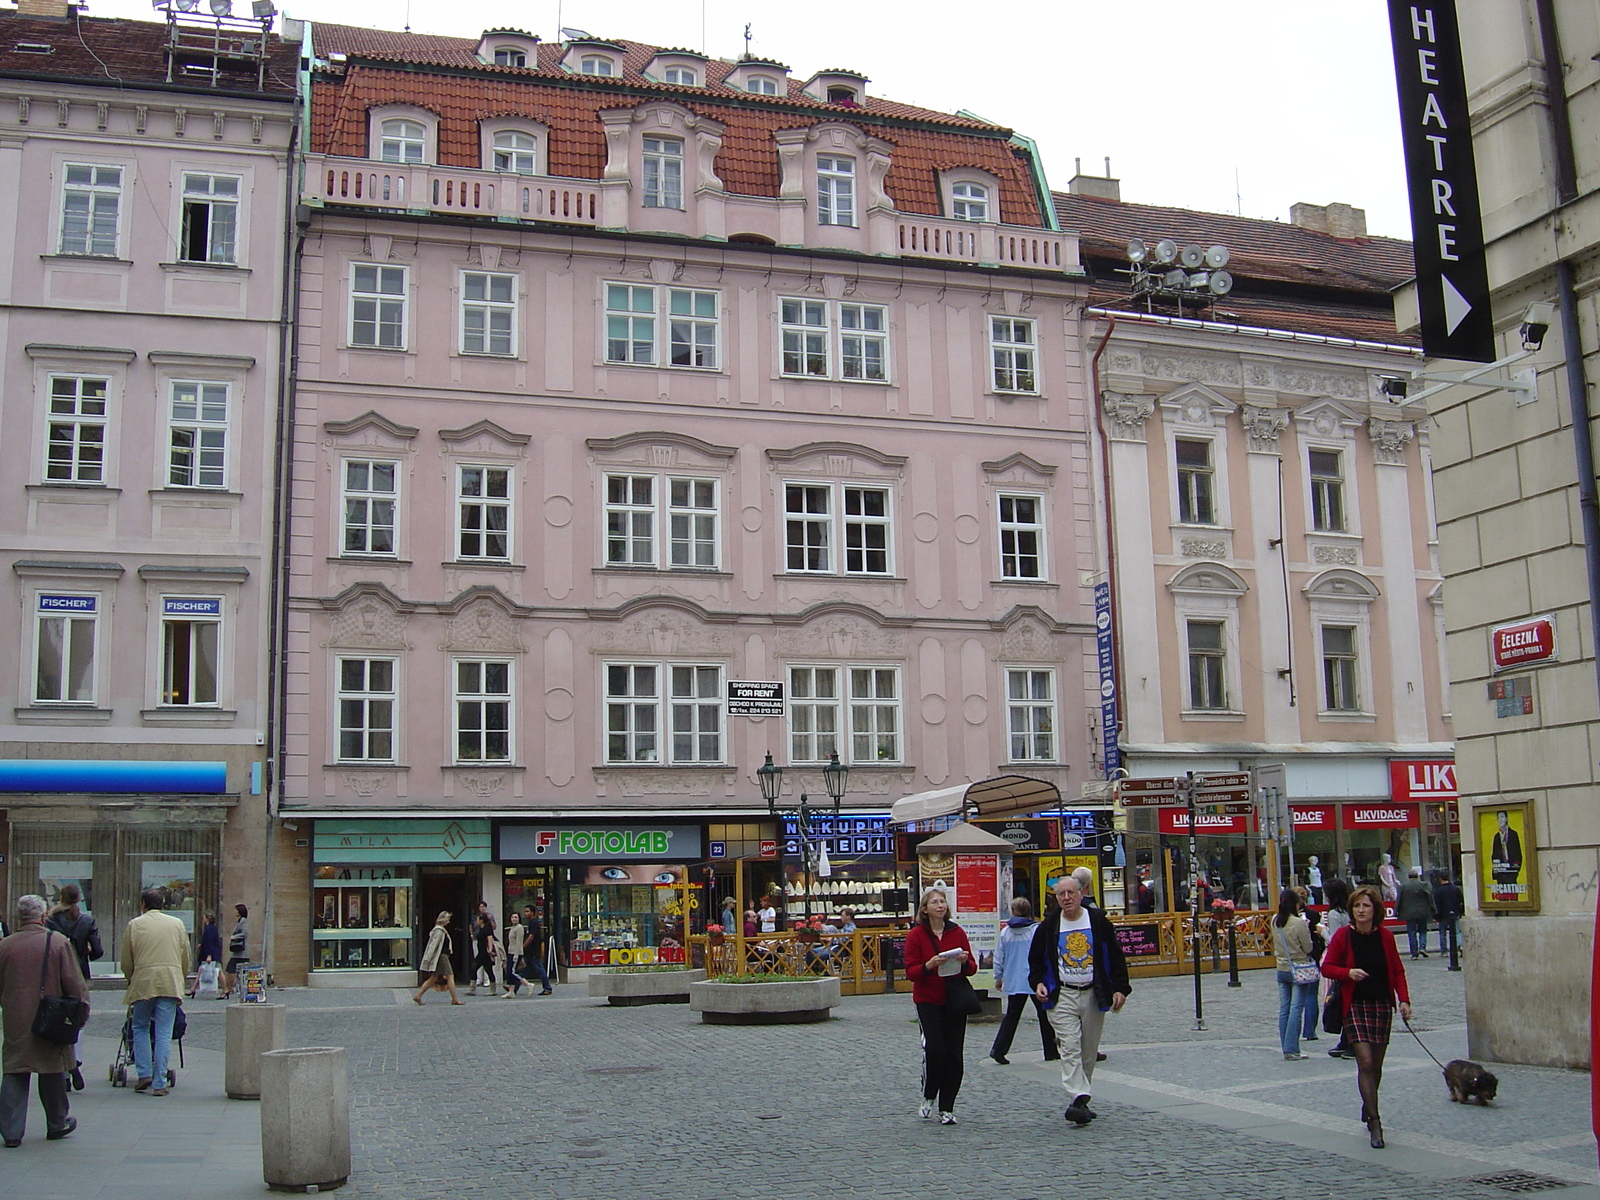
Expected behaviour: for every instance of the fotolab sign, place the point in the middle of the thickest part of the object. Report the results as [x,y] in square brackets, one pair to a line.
[1524,643]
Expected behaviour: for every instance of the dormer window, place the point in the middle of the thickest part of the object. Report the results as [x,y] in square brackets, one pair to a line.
[402,141]
[762,85]
[596,64]
[516,151]
[683,76]
[510,56]
[842,95]
[969,202]
[663,173]
[845,88]
[836,190]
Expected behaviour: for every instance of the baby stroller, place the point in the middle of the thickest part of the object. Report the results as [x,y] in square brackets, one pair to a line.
[123,1066]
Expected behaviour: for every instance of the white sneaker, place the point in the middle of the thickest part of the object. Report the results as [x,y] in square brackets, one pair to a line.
[947,1118]
[926,1110]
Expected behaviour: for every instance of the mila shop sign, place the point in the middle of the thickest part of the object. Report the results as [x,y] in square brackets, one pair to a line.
[1442,179]
[1523,643]
[602,843]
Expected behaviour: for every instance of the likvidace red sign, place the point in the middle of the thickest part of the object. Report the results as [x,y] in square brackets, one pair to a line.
[1525,643]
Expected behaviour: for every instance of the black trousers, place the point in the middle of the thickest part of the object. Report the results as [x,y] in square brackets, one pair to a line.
[14,1104]
[1008,1026]
[943,1035]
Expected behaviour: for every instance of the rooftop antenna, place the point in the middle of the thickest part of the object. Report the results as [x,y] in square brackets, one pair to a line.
[747,39]
[408,16]
[1238,196]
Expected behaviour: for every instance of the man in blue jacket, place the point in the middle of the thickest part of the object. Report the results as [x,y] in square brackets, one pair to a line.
[1077,969]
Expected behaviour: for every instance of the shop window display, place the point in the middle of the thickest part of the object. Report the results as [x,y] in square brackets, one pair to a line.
[625,913]
[362,917]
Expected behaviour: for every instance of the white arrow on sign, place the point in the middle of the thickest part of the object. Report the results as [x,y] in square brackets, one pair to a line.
[1456,306]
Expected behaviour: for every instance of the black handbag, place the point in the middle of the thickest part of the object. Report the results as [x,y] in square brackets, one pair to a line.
[1332,1016]
[59,1018]
[960,998]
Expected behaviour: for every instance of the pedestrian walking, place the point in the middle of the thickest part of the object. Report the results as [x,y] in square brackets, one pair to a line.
[482,956]
[1297,972]
[436,959]
[533,951]
[1448,905]
[78,927]
[936,949]
[210,951]
[1077,968]
[1335,919]
[238,949]
[155,959]
[1364,959]
[1011,977]
[31,957]
[1415,908]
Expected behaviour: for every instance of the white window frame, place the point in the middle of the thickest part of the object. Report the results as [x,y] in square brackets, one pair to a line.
[1032,721]
[1218,654]
[681,76]
[836,190]
[673,323]
[661,171]
[368,699]
[839,340]
[402,140]
[1209,592]
[969,200]
[761,85]
[510,56]
[379,306]
[1328,492]
[99,187]
[196,433]
[833,535]
[78,615]
[602,65]
[646,724]
[489,310]
[207,202]
[651,531]
[476,511]
[176,628]
[860,715]
[1182,491]
[470,689]
[1343,598]
[1340,693]
[514,152]
[1014,532]
[1014,355]
[370,498]
[73,426]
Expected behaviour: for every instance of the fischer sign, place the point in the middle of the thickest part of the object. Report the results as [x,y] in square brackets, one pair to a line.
[1524,643]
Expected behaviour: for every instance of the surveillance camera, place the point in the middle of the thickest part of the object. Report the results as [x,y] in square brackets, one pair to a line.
[1393,388]
[1536,323]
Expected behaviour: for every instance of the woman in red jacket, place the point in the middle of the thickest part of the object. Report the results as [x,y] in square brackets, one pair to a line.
[937,947]
[1366,963]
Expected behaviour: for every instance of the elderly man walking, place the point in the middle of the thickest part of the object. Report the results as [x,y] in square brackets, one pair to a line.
[155,955]
[30,954]
[1077,968]
[1415,908]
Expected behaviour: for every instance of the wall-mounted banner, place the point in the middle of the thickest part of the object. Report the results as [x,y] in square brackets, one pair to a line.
[190,606]
[1105,649]
[609,843]
[1380,816]
[1312,818]
[1446,221]
[402,840]
[846,836]
[75,604]
[1028,834]
[1422,780]
[1523,643]
[1176,820]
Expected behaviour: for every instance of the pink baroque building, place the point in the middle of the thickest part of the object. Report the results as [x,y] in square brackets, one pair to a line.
[1274,553]
[144,186]
[626,375]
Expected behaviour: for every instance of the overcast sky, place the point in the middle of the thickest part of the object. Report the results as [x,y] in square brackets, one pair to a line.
[1294,99]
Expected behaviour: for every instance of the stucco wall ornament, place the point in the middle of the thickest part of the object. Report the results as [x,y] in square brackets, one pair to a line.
[1202,548]
[1127,414]
[482,627]
[368,625]
[1389,440]
[1264,425]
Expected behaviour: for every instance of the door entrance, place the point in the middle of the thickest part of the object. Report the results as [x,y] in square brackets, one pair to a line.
[442,889]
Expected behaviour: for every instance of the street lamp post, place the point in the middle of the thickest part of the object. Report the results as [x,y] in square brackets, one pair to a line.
[834,778]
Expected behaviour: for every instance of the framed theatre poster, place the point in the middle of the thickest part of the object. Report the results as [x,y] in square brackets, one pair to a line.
[1508,876]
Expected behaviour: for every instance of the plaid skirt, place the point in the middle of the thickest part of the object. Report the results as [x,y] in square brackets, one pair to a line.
[1368,1021]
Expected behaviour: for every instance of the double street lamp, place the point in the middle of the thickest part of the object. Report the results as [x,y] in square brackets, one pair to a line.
[834,777]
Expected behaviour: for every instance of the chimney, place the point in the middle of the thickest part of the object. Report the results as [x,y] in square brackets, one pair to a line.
[1102,186]
[1337,220]
[55,10]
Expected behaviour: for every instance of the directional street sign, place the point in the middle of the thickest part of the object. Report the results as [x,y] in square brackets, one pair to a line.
[1227,796]
[1232,810]
[1146,787]
[1221,783]
[1154,800]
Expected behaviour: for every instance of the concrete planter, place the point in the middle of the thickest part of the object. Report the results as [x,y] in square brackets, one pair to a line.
[788,1003]
[644,987]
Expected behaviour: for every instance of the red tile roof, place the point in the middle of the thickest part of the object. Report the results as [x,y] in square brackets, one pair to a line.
[1285,276]
[112,52]
[466,91]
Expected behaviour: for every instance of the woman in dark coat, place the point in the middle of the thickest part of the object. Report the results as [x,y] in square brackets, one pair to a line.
[77,926]
[21,957]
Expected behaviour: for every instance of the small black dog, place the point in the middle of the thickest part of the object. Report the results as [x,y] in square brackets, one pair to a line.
[1468,1081]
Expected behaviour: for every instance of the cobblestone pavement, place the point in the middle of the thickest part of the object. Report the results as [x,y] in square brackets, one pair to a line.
[567,1097]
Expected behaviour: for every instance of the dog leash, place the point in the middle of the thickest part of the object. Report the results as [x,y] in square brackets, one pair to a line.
[1425,1049]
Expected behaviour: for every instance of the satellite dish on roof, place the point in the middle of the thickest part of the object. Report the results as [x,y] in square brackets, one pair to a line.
[576,35]
[1137,251]
[1216,257]
[1191,256]
[1166,250]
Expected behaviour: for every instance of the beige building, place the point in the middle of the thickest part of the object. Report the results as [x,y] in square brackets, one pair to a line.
[1511,540]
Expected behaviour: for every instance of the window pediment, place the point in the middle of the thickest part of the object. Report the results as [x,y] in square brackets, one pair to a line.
[484,437]
[1328,419]
[1018,468]
[370,429]
[1208,579]
[1196,405]
[1342,585]
[840,460]
[661,450]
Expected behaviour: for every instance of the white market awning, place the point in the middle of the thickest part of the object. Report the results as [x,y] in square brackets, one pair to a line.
[998,797]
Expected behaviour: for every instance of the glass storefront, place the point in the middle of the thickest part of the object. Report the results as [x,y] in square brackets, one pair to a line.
[113,862]
[620,913]
[362,916]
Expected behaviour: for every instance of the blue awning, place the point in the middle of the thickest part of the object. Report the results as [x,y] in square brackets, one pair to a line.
[110,776]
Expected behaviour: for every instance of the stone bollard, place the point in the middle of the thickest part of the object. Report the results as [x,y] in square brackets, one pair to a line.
[252,1030]
[305,1118]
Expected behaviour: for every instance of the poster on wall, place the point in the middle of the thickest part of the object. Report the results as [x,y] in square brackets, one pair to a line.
[1508,879]
[176,879]
[54,874]
[977,900]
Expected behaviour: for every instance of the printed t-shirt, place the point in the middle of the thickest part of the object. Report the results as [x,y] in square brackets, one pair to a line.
[1076,947]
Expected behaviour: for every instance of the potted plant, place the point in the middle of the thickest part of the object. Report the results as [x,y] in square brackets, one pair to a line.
[1222,911]
[714,934]
[810,932]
